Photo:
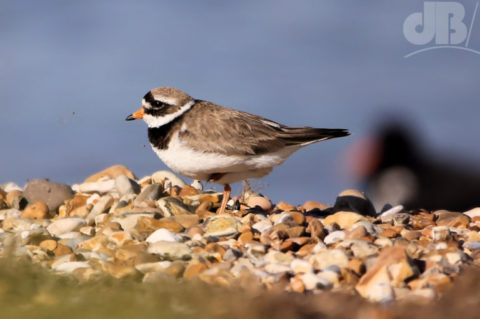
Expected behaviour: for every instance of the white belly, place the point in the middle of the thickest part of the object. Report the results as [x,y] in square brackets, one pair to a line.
[201,165]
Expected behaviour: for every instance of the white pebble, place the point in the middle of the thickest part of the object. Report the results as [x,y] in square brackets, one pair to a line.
[328,258]
[170,250]
[440,233]
[320,246]
[381,292]
[10,186]
[392,211]
[276,268]
[312,281]
[285,218]
[455,257]
[153,266]
[301,266]
[334,237]
[95,187]
[70,235]
[163,234]
[65,225]
[262,226]
[104,203]
[92,199]
[9,213]
[161,176]
[70,266]
[330,276]
[197,185]
[441,246]
[475,212]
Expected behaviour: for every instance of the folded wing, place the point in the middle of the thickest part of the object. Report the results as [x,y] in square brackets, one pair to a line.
[243,133]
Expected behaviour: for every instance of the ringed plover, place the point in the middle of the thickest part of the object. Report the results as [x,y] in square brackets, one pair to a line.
[209,142]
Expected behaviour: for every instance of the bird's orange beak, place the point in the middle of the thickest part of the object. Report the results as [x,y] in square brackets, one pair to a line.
[135,115]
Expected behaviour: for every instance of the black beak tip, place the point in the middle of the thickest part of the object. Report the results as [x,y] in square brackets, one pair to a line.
[130,118]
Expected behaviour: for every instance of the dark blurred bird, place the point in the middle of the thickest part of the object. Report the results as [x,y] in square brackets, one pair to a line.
[395,169]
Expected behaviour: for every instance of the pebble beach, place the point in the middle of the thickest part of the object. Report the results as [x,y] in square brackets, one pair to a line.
[157,227]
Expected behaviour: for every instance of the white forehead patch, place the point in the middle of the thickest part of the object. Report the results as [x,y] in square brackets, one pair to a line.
[166,99]
[145,104]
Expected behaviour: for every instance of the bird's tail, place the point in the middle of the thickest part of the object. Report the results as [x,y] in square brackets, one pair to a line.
[307,135]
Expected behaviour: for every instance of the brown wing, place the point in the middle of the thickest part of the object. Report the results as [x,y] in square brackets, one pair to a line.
[218,129]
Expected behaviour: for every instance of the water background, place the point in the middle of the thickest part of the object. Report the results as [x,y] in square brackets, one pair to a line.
[71,71]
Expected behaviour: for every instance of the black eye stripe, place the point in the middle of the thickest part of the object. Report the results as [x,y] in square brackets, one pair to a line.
[154,103]
[156,111]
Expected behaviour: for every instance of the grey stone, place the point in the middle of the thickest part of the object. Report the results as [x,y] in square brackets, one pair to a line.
[171,206]
[104,203]
[149,194]
[232,254]
[51,193]
[126,186]
[401,219]
[474,245]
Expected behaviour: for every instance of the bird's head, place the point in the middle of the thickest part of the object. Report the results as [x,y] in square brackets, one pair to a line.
[162,105]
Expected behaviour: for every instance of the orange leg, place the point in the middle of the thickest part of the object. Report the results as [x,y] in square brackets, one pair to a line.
[227,190]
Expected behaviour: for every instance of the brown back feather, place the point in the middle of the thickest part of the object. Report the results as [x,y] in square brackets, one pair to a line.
[242,133]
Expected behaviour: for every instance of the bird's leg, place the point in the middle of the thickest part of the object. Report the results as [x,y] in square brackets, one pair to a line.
[227,190]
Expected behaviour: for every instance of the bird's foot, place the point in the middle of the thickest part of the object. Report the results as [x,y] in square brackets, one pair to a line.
[227,190]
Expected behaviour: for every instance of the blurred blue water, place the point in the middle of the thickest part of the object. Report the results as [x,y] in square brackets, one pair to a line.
[70,72]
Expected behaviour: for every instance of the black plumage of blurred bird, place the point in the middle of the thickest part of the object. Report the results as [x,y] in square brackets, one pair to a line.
[394,168]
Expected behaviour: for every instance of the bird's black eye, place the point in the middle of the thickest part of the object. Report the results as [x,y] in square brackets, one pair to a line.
[156,103]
